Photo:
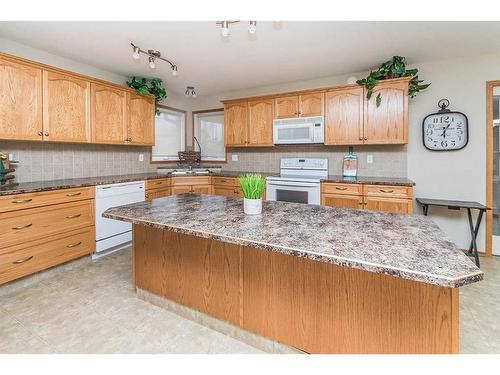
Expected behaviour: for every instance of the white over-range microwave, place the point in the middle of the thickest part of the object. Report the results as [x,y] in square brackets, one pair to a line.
[298,130]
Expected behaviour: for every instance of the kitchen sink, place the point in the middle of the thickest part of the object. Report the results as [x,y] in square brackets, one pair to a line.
[190,172]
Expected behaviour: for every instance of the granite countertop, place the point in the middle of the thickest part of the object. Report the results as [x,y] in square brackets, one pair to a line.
[405,246]
[38,186]
[396,181]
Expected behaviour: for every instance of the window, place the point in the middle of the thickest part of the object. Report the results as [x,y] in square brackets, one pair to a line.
[170,134]
[208,128]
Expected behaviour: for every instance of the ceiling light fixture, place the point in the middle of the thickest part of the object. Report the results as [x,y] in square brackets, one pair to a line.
[153,56]
[190,93]
[224,27]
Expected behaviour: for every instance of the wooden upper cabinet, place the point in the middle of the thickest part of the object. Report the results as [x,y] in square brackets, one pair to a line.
[141,111]
[20,101]
[344,116]
[260,122]
[311,104]
[286,106]
[236,124]
[66,108]
[109,114]
[387,123]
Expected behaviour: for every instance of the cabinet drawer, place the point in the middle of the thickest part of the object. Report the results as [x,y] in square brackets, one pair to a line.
[157,193]
[158,183]
[34,256]
[388,191]
[22,226]
[342,200]
[227,191]
[30,200]
[346,189]
[195,180]
[225,181]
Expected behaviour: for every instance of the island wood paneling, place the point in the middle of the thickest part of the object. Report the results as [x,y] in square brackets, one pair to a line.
[193,271]
[313,306]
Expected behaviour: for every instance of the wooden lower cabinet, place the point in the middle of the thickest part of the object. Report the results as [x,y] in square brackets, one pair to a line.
[154,194]
[201,189]
[227,191]
[41,230]
[342,201]
[192,184]
[30,257]
[370,197]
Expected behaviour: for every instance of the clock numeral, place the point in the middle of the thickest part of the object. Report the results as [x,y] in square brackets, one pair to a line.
[429,131]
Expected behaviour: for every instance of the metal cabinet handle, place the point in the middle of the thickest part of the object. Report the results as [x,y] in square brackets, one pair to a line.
[73,216]
[341,188]
[22,260]
[23,200]
[73,194]
[158,183]
[22,226]
[365,138]
[74,244]
[40,133]
[386,191]
[46,134]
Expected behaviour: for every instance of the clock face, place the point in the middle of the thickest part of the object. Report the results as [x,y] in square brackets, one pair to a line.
[445,131]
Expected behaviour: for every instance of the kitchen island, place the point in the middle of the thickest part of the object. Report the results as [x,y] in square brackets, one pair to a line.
[320,279]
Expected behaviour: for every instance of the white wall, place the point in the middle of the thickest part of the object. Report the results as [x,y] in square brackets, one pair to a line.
[448,175]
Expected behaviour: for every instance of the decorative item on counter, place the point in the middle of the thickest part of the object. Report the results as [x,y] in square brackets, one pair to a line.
[394,68]
[152,90]
[350,165]
[6,176]
[252,186]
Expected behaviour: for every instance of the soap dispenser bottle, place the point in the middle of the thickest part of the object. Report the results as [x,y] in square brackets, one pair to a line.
[350,165]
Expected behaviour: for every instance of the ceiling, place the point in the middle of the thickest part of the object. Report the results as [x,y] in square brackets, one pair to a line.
[279,52]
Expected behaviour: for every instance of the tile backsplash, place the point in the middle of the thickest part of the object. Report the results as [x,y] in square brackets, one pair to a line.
[40,161]
[388,160]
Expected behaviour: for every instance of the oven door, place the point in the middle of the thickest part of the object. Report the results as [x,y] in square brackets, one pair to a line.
[297,192]
[293,134]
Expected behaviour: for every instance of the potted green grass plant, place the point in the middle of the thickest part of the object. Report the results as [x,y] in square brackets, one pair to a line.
[252,186]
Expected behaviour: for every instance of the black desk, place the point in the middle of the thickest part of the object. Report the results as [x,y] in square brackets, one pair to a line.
[457,205]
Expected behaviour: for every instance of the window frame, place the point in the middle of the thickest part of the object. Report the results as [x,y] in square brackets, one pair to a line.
[193,125]
[151,161]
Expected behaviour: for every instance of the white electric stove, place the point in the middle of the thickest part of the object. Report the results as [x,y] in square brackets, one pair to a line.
[298,181]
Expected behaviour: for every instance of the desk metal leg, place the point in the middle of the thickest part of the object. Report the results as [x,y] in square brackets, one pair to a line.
[476,229]
[473,235]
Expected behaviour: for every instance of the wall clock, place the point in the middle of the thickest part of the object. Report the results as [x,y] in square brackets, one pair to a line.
[445,130]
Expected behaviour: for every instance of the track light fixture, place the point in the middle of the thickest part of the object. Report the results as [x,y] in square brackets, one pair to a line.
[190,93]
[153,55]
[224,27]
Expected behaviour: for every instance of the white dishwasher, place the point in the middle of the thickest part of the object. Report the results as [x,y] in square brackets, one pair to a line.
[112,235]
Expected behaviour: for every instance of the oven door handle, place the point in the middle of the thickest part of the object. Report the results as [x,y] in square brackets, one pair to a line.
[294,184]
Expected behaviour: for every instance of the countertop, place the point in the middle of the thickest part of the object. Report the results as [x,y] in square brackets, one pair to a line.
[38,186]
[407,246]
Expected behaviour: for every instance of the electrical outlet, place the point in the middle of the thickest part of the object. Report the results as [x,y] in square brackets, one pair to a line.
[12,156]
[141,157]
[234,157]
[369,159]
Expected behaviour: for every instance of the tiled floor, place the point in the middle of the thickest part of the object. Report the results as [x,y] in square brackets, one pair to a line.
[93,309]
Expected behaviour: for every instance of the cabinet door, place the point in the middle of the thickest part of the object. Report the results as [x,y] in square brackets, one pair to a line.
[286,107]
[344,116]
[311,104]
[20,101]
[387,123]
[342,201]
[182,189]
[141,112]
[154,194]
[236,124]
[109,114]
[201,189]
[260,122]
[225,191]
[66,108]
[388,204]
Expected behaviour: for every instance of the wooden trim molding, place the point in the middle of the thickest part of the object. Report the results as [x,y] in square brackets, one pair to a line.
[185,138]
[192,132]
[308,91]
[490,85]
